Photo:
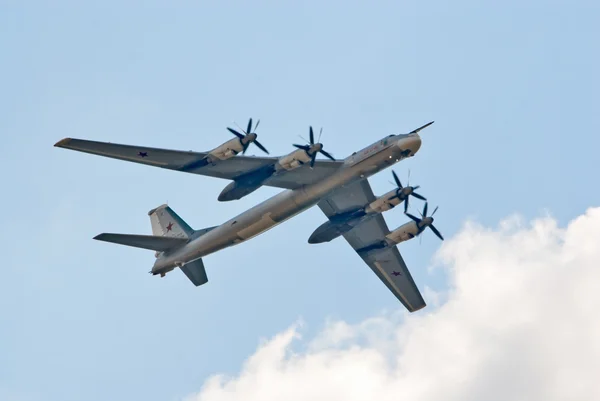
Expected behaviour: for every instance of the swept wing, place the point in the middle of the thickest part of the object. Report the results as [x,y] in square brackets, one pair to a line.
[189,161]
[386,263]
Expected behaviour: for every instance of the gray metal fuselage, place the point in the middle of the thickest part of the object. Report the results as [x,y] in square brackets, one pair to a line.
[289,203]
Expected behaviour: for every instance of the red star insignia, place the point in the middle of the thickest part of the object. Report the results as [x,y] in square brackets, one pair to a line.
[170,226]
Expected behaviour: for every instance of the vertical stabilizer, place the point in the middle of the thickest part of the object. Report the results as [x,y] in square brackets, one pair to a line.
[165,222]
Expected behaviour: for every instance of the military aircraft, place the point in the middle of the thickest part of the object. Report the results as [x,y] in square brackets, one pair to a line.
[339,187]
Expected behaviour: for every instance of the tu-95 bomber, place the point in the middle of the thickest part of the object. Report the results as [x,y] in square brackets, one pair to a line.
[340,188]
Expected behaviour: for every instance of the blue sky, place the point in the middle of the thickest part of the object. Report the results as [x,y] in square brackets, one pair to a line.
[513,88]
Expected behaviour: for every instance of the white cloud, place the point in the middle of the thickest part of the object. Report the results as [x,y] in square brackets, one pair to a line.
[519,322]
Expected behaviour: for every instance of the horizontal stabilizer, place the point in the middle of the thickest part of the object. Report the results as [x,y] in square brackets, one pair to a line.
[152,242]
[195,272]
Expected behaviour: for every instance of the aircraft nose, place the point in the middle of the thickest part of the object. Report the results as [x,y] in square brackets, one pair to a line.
[415,143]
[410,144]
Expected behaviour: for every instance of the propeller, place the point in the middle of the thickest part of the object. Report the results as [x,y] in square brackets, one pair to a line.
[403,193]
[248,137]
[314,148]
[426,221]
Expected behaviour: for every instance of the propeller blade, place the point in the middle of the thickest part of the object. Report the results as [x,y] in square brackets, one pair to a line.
[415,219]
[425,210]
[436,232]
[416,195]
[312,136]
[319,138]
[234,132]
[416,187]
[260,146]
[398,183]
[249,130]
[256,126]
[434,210]
[327,154]
[405,204]
[245,148]
[302,147]
[420,128]
[398,193]
[312,160]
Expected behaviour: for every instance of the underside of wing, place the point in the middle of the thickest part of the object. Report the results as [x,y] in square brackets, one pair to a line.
[386,263]
[179,160]
[304,175]
[193,162]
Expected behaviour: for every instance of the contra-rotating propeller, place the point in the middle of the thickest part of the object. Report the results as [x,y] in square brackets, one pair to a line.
[248,137]
[314,148]
[426,221]
[404,192]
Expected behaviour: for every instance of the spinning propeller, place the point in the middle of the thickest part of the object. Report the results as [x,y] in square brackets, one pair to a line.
[314,148]
[426,221]
[248,137]
[403,193]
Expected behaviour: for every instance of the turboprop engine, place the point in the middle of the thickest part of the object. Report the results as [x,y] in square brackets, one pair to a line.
[251,181]
[342,223]
[230,148]
[394,197]
[306,154]
[239,145]
[406,231]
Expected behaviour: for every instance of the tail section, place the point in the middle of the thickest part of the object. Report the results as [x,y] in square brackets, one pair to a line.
[169,232]
[167,223]
[152,242]
[196,272]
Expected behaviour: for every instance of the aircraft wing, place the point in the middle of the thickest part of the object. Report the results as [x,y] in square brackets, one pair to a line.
[188,161]
[387,263]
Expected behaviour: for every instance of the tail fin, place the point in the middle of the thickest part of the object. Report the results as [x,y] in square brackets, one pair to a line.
[165,222]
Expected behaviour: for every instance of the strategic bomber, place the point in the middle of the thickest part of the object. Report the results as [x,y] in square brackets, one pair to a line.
[340,188]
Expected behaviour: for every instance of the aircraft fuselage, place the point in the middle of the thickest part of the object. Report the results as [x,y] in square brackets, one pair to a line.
[289,203]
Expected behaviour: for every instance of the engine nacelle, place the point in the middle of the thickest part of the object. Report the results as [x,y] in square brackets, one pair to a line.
[294,160]
[246,184]
[226,150]
[328,231]
[383,203]
[337,225]
[236,190]
[403,233]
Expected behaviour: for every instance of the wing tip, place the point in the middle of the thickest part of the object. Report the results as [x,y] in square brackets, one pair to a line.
[62,143]
[418,308]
